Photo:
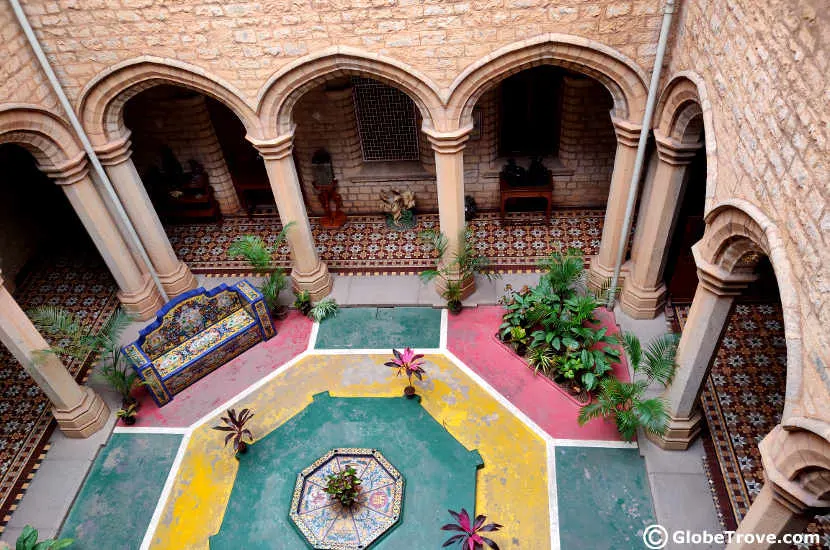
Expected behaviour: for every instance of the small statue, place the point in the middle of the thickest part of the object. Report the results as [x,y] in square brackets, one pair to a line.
[537,174]
[398,207]
[513,174]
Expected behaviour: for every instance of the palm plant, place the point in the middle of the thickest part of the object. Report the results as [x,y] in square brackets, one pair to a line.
[302,301]
[77,342]
[28,541]
[464,264]
[623,401]
[469,537]
[237,432]
[253,249]
[409,363]
[563,271]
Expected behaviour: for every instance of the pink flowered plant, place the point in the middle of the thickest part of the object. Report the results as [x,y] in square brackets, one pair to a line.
[470,539]
[409,363]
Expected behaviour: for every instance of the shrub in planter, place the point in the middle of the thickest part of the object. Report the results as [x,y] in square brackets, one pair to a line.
[623,401]
[316,312]
[344,487]
[237,432]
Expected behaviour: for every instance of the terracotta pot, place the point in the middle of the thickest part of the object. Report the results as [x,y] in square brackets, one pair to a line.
[243,448]
[409,392]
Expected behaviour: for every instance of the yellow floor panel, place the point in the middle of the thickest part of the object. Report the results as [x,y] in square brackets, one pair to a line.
[512,488]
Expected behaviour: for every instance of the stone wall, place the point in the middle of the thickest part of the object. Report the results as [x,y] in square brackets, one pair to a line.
[764,66]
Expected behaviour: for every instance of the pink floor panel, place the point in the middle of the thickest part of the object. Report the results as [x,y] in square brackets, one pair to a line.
[230,379]
[472,338]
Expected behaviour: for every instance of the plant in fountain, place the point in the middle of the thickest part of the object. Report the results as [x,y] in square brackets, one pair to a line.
[408,363]
[469,537]
[237,432]
[624,401]
[344,487]
[253,249]
[399,208]
[77,342]
[456,271]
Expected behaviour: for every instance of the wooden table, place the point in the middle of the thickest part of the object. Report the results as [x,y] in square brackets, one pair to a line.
[526,192]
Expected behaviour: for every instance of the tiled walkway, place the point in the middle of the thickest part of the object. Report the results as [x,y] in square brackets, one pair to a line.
[542,488]
[366,245]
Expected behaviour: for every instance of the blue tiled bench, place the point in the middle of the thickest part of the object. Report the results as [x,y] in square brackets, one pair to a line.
[196,333]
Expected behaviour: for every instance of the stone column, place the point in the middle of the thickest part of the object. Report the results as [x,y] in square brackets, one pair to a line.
[708,316]
[308,271]
[644,292]
[797,471]
[137,292]
[602,266]
[175,276]
[80,412]
[449,176]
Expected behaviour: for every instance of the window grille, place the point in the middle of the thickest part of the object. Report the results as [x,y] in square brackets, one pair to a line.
[386,120]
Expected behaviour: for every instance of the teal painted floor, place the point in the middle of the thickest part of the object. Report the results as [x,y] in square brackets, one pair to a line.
[604,498]
[375,328]
[439,472]
[115,504]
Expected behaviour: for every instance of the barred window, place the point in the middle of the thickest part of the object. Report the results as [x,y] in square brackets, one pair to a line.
[386,121]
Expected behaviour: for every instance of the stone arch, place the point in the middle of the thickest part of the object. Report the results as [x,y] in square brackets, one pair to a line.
[102,100]
[682,113]
[285,88]
[736,231]
[45,135]
[621,76]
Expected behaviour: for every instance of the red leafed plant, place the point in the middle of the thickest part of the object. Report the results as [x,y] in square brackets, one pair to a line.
[469,537]
[408,363]
[235,425]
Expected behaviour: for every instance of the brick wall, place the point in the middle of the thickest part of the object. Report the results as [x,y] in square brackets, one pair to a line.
[765,67]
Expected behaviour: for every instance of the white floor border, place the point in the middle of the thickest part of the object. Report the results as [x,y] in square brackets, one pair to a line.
[550,442]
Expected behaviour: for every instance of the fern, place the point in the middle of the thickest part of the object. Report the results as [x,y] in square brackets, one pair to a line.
[323,309]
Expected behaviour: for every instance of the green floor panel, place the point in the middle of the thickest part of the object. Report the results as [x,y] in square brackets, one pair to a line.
[604,498]
[374,328]
[117,500]
[439,473]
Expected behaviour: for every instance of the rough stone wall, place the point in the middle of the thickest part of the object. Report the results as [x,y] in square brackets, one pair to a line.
[246,42]
[765,67]
[21,80]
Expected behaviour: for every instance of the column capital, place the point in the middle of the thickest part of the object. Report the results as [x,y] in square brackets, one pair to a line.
[70,172]
[674,152]
[115,152]
[797,464]
[628,133]
[275,148]
[450,142]
[716,279]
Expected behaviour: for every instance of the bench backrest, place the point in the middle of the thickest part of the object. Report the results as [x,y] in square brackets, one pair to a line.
[185,317]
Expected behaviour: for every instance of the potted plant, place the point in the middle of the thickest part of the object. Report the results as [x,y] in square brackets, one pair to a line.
[469,537]
[28,541]
[316,312]
[253,249]
[77,342]
[410,363]
[127,414]
[344,487]
[624,402]
[458,271]
[237,432]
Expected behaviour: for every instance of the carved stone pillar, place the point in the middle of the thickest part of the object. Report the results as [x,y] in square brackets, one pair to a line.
[449,175]
[797,470]
[644,292]
[175,276]
[702,333]
[308,271]
[137,293]
[602,266]
[80,412]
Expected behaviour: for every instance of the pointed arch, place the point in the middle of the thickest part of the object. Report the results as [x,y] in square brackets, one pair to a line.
[285,88]
[101,106]
[620,75]
[44,134]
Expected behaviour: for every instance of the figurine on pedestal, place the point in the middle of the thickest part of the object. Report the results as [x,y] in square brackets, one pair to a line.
[326,187]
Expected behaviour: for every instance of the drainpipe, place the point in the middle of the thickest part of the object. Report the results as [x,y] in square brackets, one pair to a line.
[633,187]
[79,130]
